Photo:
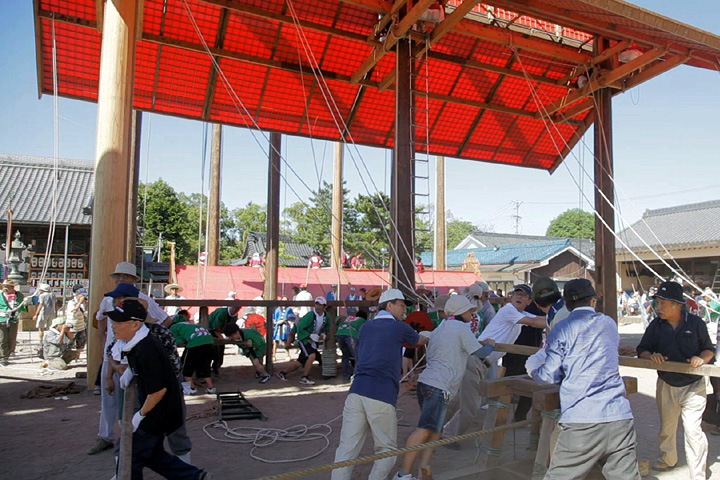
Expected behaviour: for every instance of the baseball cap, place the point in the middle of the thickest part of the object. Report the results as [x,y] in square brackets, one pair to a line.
[458,304]
[57,321]
[124,290]
[578,288]
[543,288]
[130,309]
[352,289]
[82,291]
[393,294]
[670,291]
[302,285]
[321,300]
[523,288]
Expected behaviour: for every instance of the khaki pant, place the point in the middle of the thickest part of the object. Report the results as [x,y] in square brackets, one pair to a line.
[359,414]
[468,399]
[688,402]
[8,337]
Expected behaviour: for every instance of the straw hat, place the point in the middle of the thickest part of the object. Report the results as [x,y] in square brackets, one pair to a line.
[170,286]
[373,294]
[8,282]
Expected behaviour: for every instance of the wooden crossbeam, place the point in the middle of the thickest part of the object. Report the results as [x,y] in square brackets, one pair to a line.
[604,79]
[212,78]
[391,39]
[655,70]
[440,29]
[385,20]
[676,367]
[605,55]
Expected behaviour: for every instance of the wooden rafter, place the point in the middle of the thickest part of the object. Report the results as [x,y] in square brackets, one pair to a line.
[577,136]
[656,69]
[38,47]
[386,19]
[571,112]
[606,78]
[212,77]
[438,32]
[391,39]
[578,70]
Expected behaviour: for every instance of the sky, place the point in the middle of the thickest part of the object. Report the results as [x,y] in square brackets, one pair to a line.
[666,144]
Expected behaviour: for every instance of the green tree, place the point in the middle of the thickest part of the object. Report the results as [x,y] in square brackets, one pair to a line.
[165,213]
[250,218]
[574,223]
[456,230]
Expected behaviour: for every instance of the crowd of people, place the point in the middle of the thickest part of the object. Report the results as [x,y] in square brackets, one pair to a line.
[380,343]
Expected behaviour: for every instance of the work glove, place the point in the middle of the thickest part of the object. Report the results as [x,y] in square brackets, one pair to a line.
[314,337]
[137,418]
[535,361]
[126,378]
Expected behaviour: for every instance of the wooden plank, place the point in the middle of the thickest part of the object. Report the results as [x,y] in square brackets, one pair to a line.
[385,20]
[126,435]
[677,367]
[392,38]
[212,78]
[580,69]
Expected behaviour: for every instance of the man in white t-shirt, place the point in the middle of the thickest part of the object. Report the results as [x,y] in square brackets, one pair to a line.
[303,296]
[504,328]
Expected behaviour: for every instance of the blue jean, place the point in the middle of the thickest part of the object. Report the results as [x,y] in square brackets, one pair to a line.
[347,345]
[433,405]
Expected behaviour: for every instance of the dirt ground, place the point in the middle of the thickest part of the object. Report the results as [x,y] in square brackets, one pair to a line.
[48,438]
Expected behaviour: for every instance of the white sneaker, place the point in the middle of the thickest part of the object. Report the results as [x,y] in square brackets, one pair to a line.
[211,390]
[407,476]
[307,381]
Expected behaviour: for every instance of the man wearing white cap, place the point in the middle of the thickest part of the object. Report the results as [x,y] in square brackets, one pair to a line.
[309,331]
[12,303]
[57,345]
[478,294]
[46,309]
[373,393]
[125,272]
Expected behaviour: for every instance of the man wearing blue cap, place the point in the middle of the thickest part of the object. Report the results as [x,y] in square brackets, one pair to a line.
[679,336]
[596,422]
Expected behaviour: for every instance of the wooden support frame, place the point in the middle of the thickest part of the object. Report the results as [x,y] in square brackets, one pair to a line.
[392,38]
[605,79]
[212,78]
[438,32]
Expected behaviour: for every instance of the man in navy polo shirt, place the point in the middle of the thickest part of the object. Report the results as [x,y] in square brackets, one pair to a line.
[679,336]
[374,391]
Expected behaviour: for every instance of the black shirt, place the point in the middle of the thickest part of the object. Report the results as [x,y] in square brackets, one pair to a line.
[154,372]
[688,340]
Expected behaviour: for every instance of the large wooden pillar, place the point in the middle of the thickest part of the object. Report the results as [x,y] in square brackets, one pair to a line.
[402,266]
[213,254]
[337,207]
[440,240]
[112,158]
[273,234]
[605,268]
[135,142]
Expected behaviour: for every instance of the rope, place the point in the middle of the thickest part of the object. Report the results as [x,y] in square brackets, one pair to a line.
[397,452]
[266,437]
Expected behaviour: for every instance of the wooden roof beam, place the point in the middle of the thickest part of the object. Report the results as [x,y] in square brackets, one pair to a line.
[541,10]
[392,38]
[440,29]
[605,79]
[655,70]
[605,55]
[212,79]
[386,19]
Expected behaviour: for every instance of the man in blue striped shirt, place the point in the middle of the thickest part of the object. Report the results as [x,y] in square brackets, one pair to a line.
[596,424]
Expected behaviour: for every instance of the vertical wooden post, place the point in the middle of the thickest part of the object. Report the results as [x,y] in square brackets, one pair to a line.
[273,243]
[402,266]
[337,207]
[112,158]
[605,270]
[173,273]
[125,460]
[213,254]
[440,240]
[135,143]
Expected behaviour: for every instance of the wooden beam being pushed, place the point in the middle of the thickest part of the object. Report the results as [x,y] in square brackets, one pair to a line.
[440,29]
[392,38]
[273,236]
[605,79]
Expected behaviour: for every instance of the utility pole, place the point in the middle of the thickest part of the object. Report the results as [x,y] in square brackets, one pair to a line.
[517,216]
